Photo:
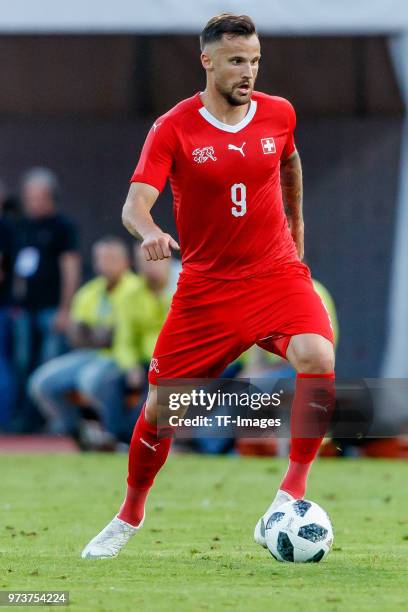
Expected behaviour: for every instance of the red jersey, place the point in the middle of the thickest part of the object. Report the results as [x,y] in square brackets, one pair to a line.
[226,185]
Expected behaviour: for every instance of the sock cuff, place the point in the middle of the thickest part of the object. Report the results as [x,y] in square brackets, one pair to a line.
[304,375]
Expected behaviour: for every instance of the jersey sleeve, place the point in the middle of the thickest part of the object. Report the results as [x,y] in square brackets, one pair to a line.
[290,146]
[157,156]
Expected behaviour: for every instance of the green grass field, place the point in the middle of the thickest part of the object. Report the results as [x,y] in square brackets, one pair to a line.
[196,550]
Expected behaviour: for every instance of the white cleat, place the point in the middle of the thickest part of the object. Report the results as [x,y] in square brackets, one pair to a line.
[110,541]
[259,533]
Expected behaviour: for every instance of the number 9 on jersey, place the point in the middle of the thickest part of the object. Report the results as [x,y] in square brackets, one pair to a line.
[238,197]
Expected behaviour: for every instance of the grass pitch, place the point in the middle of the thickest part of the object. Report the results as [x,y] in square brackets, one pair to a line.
[196,550]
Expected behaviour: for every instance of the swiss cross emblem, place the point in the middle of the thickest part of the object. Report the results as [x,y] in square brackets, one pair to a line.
[268,145]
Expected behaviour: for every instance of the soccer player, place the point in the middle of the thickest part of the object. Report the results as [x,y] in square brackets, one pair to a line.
[230,155]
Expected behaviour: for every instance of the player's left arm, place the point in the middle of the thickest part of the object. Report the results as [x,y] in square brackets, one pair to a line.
[292,193]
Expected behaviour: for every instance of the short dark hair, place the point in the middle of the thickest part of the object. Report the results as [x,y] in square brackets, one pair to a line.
[226,23]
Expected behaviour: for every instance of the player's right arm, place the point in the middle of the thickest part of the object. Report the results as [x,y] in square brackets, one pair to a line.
[137,219]
[147,182]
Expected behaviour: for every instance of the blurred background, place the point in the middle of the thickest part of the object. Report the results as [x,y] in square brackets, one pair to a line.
[81,86]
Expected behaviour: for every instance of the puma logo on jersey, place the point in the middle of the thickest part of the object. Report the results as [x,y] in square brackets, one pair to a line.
[155,125]
[154,365]
[153,447]
[201,155]
[232,147]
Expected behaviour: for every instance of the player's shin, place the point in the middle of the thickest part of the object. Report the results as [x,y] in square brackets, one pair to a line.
[147,454]
[312,410]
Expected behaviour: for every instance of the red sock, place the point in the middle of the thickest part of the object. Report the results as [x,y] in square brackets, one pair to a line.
[312,410]
[147,454]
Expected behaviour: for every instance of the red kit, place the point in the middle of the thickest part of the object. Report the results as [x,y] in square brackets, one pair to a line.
[242,282]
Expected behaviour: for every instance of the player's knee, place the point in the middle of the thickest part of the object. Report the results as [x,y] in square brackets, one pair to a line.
[40,386]
[87,387]
[35,387]
[317,361]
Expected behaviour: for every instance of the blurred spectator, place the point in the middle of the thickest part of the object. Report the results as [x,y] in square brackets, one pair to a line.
[46,276]
[46,271]
[6,375]
[115,319]
[155,276]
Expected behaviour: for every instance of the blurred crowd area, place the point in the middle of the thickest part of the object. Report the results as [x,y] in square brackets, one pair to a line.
[72,350]
[75,352]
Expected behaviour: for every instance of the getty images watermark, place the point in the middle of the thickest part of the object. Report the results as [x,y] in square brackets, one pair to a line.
[194,408]
[211,400]
[363,408]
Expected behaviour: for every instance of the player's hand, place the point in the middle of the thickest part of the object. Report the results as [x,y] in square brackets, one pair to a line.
[157,245]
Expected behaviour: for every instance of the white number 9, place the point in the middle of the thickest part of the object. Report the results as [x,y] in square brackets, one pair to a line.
[238,196]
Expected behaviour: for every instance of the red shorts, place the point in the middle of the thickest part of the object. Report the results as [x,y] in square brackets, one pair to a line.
[211,322]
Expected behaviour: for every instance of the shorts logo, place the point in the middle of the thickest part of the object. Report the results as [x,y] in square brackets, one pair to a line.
[268,145]
[201,155]
[154,365]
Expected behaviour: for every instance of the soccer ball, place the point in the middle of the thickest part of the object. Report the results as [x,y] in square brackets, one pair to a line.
[299,532]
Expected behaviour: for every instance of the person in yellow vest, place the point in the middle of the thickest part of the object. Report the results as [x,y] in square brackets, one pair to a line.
[115,318]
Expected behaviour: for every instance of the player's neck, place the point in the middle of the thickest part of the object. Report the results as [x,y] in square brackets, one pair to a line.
[220,108]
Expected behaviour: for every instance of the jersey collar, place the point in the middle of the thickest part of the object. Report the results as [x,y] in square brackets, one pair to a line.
[225,126]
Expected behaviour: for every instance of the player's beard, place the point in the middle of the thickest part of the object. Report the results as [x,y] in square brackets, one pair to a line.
[234,99]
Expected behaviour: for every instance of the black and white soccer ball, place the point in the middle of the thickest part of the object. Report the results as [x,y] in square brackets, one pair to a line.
[299,532]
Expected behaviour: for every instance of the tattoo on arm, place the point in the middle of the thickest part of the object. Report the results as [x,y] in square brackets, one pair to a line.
[292,189]
[292,194]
